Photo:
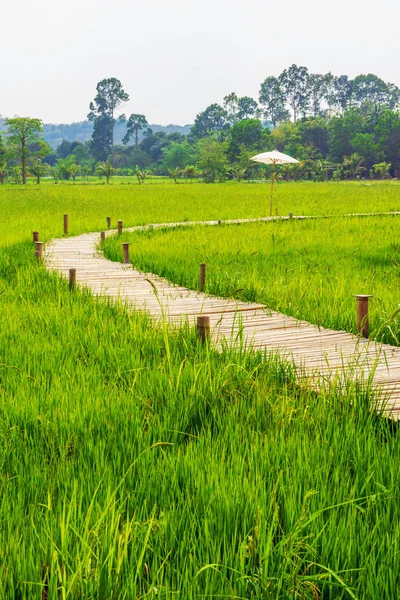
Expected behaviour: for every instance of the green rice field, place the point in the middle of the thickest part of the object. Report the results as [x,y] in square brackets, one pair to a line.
[136,463]
[309,269]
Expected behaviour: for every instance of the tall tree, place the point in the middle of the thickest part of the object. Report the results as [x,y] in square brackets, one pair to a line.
[294,82]
[370,90]
[239,108]
[247,108]
[134,125]
[272,101]
[318,87]
[342,92]
[109,98]
[211,120]
[22,132]
[231,108]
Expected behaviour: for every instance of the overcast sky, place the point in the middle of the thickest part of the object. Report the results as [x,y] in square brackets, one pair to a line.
[175,57]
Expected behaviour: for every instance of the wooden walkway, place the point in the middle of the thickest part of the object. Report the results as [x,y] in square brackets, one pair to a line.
[322,357]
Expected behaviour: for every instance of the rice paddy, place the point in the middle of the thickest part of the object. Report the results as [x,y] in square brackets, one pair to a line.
[136,463]
[309,269]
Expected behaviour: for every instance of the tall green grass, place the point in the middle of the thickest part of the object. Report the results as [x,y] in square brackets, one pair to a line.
[24,209]
[309,269]
[136,463]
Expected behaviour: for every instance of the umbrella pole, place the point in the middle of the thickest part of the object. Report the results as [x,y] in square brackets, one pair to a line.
[272,188]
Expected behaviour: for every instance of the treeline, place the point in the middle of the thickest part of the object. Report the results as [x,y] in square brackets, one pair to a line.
[336,127]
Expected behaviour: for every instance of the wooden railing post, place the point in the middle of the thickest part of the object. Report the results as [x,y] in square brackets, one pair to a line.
[362,314]
[203,328]
[35,236]
[102,236]
[125,248]
[120,227]
[108,222]
[290,215]
[39,250]
[202,279]
[65,224]
[72,279]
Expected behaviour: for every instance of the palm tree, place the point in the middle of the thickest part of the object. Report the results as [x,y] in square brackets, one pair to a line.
[322,167]
[106,170]
[354,164]
[38,169]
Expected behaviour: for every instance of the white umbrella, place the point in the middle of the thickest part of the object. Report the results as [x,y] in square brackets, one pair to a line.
[273,158]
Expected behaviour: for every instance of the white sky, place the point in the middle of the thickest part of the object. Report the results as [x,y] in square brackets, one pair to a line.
[175,57]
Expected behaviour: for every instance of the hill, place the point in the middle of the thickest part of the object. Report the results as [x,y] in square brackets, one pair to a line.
[81,131]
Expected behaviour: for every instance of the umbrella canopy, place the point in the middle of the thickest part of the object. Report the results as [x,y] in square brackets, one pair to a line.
[273,158]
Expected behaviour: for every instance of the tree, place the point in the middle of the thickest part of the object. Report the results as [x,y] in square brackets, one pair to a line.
[239,108]
[322,168]
[343,129]
[38,169]
[23,131]
[340,93]
[174,174]
[387,133]
[3,172]
[105,169]
[314,134]
[369,90]
[212,120]
[177,156]
[213,161]
[272,101]
[135,124]
[354,165]
[64,149]
[74,170]
[247,108]
[318,87]
[294,83]
[248,133]
[364,145]
[381,169]
[231,108]
[110,96]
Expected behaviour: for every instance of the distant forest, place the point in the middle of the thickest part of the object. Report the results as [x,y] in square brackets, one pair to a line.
[336,127]
[82,131]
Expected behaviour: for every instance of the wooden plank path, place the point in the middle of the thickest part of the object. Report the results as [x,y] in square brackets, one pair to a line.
[322,356]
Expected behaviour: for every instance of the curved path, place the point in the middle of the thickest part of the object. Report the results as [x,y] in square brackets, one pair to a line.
[322,356]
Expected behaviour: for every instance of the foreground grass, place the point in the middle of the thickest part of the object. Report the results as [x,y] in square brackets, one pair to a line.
[24,209]
[309,269]
[135,463]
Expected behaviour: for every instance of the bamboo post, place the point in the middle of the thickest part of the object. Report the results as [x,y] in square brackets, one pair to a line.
[125,248]
[39,250]
[35,236]
[65,224]
[203,328]
[108,222]
[102,236]
[72,279]
[362,314]
[202,280]
[219,221]
[120,227]
[290,215]
[272,188]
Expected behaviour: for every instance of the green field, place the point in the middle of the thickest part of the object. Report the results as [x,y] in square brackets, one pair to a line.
[310,269]
[41,207]
[137,464]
